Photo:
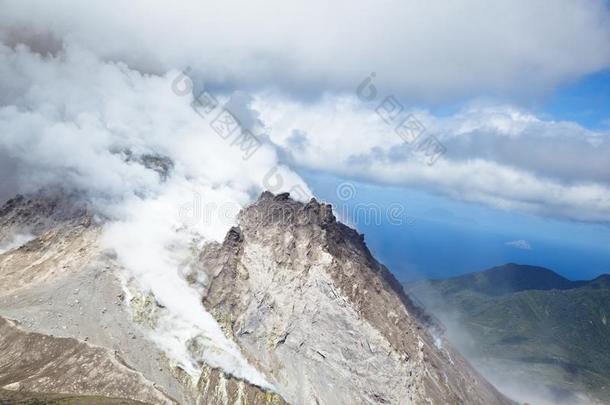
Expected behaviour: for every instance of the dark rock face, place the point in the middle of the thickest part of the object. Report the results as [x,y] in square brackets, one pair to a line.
[37,213]
[160,164]
[328,324]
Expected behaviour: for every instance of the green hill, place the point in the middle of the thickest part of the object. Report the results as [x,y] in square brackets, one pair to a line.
[553,332]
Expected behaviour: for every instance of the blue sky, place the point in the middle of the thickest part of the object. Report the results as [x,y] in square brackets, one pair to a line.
[587,101]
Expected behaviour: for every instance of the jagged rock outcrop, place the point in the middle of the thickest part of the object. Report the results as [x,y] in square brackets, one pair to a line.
[218,388]
[328,324]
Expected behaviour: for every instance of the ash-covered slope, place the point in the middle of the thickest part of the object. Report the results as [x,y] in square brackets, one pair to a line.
[321,318]
[39,363]
[68,324]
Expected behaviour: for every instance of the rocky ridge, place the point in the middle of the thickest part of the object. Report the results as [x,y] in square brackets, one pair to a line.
[298,292]
[327,323]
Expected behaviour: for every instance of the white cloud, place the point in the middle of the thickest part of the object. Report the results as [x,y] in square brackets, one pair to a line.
[419,49]
[519,244]
[499,156]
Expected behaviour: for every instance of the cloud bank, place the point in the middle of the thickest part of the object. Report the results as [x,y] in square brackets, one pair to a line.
[498,155]
[420,50]
[302,63]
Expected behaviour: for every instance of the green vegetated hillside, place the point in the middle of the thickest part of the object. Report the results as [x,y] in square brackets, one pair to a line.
[546,329]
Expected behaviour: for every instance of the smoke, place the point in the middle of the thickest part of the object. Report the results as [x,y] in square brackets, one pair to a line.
[14,241]
[138,152]
[518,383]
